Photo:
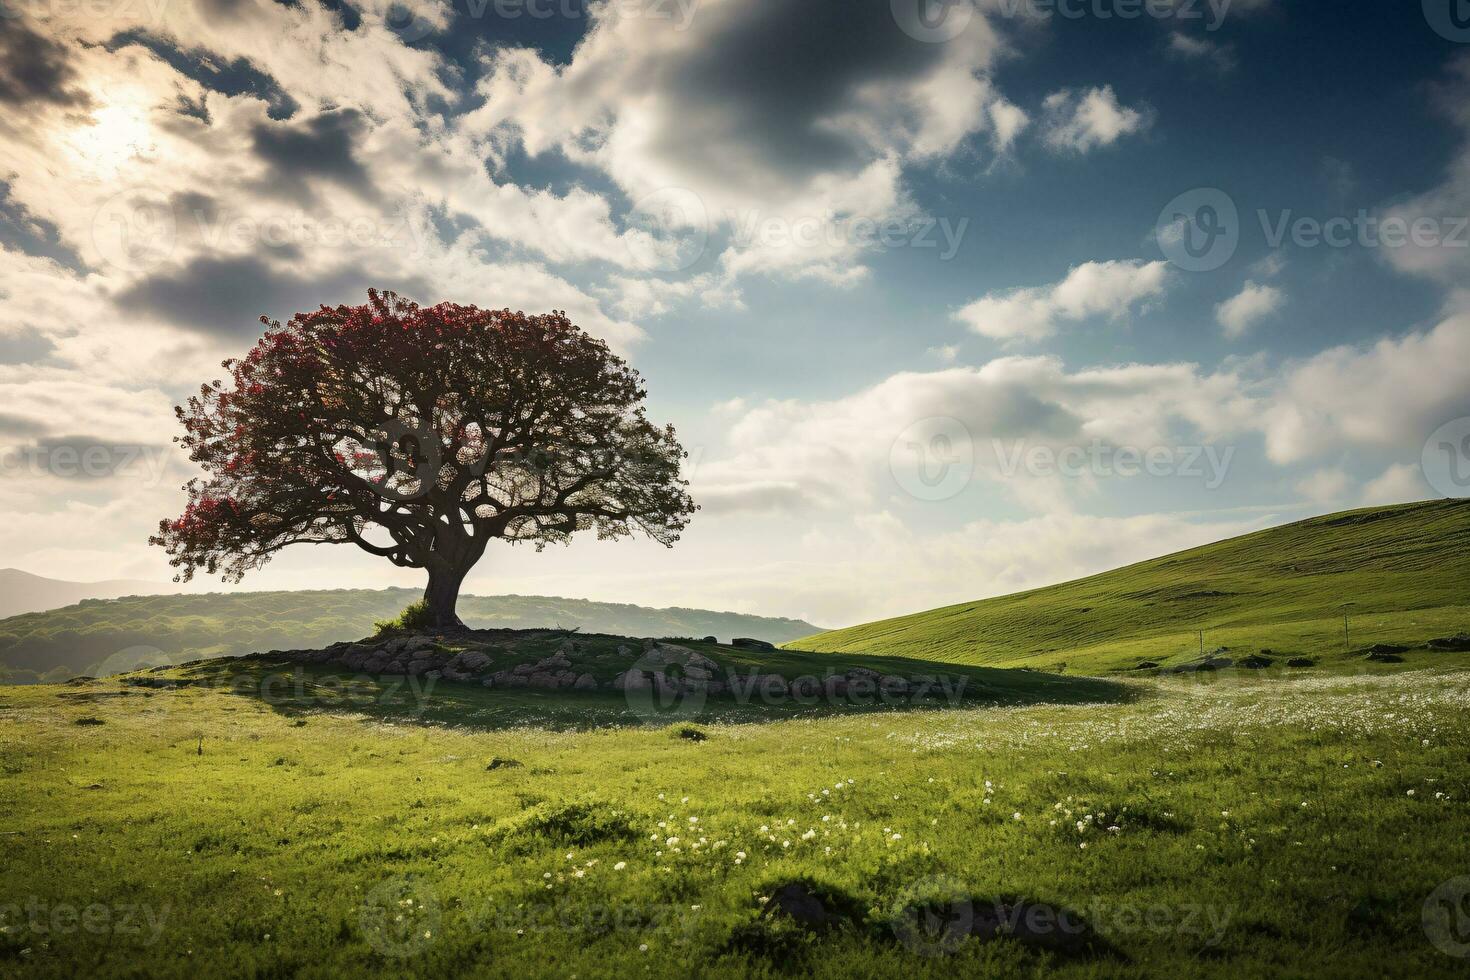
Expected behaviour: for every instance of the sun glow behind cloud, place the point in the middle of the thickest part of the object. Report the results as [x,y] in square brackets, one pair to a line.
[115,134]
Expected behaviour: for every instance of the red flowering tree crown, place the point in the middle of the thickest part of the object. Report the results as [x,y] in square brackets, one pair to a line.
[420,434]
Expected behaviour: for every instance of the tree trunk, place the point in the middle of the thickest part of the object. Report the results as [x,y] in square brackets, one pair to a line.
[442,596]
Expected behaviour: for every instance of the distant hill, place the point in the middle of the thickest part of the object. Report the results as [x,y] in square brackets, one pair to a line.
[77,638]
[22,592]
[1406,569]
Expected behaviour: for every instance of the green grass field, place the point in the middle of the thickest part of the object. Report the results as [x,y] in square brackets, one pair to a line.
[208,830]
[1405,568]
[260,818]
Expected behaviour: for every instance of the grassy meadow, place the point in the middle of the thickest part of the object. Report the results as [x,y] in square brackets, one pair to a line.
[248,824]
[258,817]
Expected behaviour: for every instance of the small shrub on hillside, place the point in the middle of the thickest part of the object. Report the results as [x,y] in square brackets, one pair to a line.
[415,618]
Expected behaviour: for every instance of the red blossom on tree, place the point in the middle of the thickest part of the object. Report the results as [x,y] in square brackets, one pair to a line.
[420,435]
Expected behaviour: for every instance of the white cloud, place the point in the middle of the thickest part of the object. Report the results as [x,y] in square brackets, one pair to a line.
[1112,289]
[1324,486]
[1188,47]
[800,141]
[1400,483]
[1008,121]
[792,454]
[1242,311]
[1389,396]
[1081,121]
[1440,250]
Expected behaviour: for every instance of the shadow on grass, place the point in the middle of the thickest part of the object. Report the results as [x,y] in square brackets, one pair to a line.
[298,691]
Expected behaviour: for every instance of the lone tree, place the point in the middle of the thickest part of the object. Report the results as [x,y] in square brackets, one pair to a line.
[421,435]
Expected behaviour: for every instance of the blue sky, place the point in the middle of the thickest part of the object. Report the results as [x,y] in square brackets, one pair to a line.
[695,182]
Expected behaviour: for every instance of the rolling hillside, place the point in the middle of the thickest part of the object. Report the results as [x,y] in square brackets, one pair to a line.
[76,639]
[1406,568]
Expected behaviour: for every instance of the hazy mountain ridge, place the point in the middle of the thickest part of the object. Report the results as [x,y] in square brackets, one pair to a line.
[22,592]
[78,638]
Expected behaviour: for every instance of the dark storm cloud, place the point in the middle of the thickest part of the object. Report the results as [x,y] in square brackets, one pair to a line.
[225,297]
[20,230]
[319,148]
[773,76]
[34,68]
[15,425]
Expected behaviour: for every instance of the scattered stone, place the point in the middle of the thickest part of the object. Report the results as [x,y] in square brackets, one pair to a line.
[1459,643]
[1256,661]
[1388,648]
[499,763]
[806,687]
[417,643]
[1146,665]
[746,643]
[586,683]
[893,684]
[1301,662]
[89,721]
[1385,658]
[472,661]
[693,735]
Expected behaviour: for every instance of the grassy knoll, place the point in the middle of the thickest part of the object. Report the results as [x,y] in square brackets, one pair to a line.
[239,826]
[1406,568]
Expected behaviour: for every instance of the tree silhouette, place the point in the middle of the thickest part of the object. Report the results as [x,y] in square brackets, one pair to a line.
[421,434]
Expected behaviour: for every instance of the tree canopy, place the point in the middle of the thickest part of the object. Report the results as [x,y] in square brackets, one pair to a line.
[420,434]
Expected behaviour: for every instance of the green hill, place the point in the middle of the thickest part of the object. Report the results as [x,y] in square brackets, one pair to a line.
[76,639]
[1406,569]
